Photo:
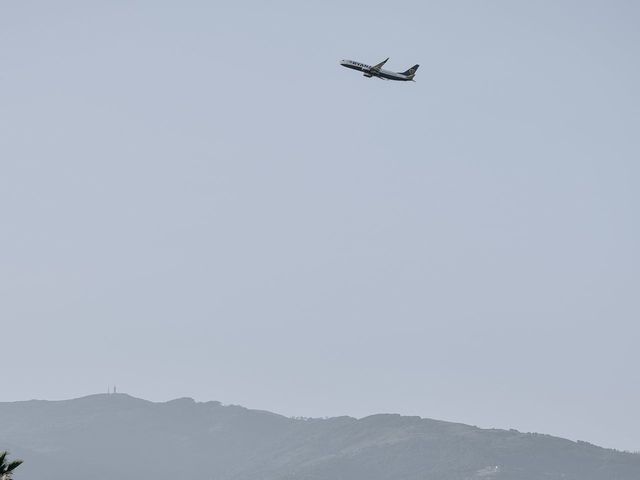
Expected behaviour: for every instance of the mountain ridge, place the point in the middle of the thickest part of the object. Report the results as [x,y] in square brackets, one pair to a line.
[231,442]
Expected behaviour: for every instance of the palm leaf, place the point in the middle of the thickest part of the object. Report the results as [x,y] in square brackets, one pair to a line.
[13,465]
[3,465]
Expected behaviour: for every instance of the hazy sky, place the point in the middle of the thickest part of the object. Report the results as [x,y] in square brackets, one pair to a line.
[197,200]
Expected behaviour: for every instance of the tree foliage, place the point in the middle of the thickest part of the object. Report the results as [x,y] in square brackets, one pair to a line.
[7,467]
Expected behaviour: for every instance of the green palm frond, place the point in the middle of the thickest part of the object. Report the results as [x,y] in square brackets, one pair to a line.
[13,465]
[7,468]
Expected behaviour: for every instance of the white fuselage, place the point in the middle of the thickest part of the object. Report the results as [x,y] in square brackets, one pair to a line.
[369,71]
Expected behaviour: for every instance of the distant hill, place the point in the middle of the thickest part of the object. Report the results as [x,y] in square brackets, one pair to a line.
[116,436]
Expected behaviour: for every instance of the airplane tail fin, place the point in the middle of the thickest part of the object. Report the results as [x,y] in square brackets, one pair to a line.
[411,71]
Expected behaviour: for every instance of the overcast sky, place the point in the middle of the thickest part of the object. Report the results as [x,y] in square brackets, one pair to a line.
[197,200]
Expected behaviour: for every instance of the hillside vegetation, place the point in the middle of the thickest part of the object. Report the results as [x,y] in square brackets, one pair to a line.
[104,437]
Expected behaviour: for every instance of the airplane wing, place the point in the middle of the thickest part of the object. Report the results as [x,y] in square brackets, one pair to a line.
[380,65]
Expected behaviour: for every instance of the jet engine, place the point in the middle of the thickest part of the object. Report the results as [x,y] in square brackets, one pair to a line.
[368,75]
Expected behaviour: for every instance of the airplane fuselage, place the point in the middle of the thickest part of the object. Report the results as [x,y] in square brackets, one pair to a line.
[370,71]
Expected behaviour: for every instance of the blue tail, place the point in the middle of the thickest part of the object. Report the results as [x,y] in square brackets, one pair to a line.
[411,71]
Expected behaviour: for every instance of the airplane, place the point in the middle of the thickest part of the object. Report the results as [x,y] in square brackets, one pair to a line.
[379,72]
